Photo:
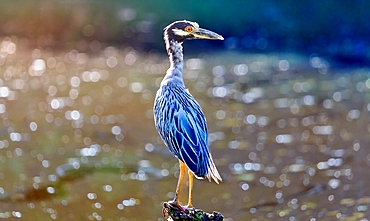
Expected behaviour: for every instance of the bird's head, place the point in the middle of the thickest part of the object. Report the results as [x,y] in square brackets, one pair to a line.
[182,30]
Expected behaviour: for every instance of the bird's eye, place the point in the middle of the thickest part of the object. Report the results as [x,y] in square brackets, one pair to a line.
[188,29]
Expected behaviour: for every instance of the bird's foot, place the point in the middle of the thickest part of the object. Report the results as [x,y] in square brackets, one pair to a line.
[176,204]
[189,208]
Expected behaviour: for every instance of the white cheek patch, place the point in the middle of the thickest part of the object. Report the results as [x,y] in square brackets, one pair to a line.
[195,25]
[180,32]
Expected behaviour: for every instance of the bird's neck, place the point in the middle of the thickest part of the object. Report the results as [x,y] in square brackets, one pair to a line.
[174,50]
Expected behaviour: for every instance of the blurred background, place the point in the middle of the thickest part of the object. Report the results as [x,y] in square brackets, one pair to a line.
[339,31]
[286,96]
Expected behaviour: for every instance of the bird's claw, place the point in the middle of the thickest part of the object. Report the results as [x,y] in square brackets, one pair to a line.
[177,204]
[189,208]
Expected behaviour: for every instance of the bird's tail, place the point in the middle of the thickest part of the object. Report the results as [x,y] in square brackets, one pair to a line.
[213,172]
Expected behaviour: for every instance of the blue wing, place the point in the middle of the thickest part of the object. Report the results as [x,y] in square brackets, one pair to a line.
[182,125]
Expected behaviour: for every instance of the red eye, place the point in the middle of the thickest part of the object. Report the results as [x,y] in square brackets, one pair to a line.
[188,29]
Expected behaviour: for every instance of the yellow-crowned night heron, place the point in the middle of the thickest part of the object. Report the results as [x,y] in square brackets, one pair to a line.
[178,117]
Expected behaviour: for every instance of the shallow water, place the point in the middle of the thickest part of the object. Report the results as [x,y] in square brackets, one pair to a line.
[289,136]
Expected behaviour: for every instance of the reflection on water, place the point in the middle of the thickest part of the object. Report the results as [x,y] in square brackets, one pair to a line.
[289,136]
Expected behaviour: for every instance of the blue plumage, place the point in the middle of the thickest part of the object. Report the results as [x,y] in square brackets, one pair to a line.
[182,126]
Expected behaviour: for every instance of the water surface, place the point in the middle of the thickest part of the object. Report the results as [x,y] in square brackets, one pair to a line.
[77,140]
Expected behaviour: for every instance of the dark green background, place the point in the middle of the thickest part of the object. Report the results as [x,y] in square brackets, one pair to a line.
[337,29]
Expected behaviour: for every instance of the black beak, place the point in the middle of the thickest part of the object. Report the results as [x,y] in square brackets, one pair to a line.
[201,33]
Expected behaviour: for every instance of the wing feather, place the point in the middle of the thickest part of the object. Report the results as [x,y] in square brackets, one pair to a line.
[183,128]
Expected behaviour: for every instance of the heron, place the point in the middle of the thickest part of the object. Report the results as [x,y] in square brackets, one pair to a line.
[178,117]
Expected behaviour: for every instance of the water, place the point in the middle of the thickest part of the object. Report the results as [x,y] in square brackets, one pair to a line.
[289,136]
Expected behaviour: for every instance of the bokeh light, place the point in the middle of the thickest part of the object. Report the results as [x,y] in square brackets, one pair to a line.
[285,97]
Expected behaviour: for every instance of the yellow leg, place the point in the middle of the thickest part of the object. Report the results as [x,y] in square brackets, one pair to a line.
[181,177]
[191,180]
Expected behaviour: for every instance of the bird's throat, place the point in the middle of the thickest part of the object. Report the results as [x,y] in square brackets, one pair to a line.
[174,50]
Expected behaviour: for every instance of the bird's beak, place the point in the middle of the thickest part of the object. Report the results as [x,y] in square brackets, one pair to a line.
[201,33]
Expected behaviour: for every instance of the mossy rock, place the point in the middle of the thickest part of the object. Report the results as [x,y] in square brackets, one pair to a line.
[175,212]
